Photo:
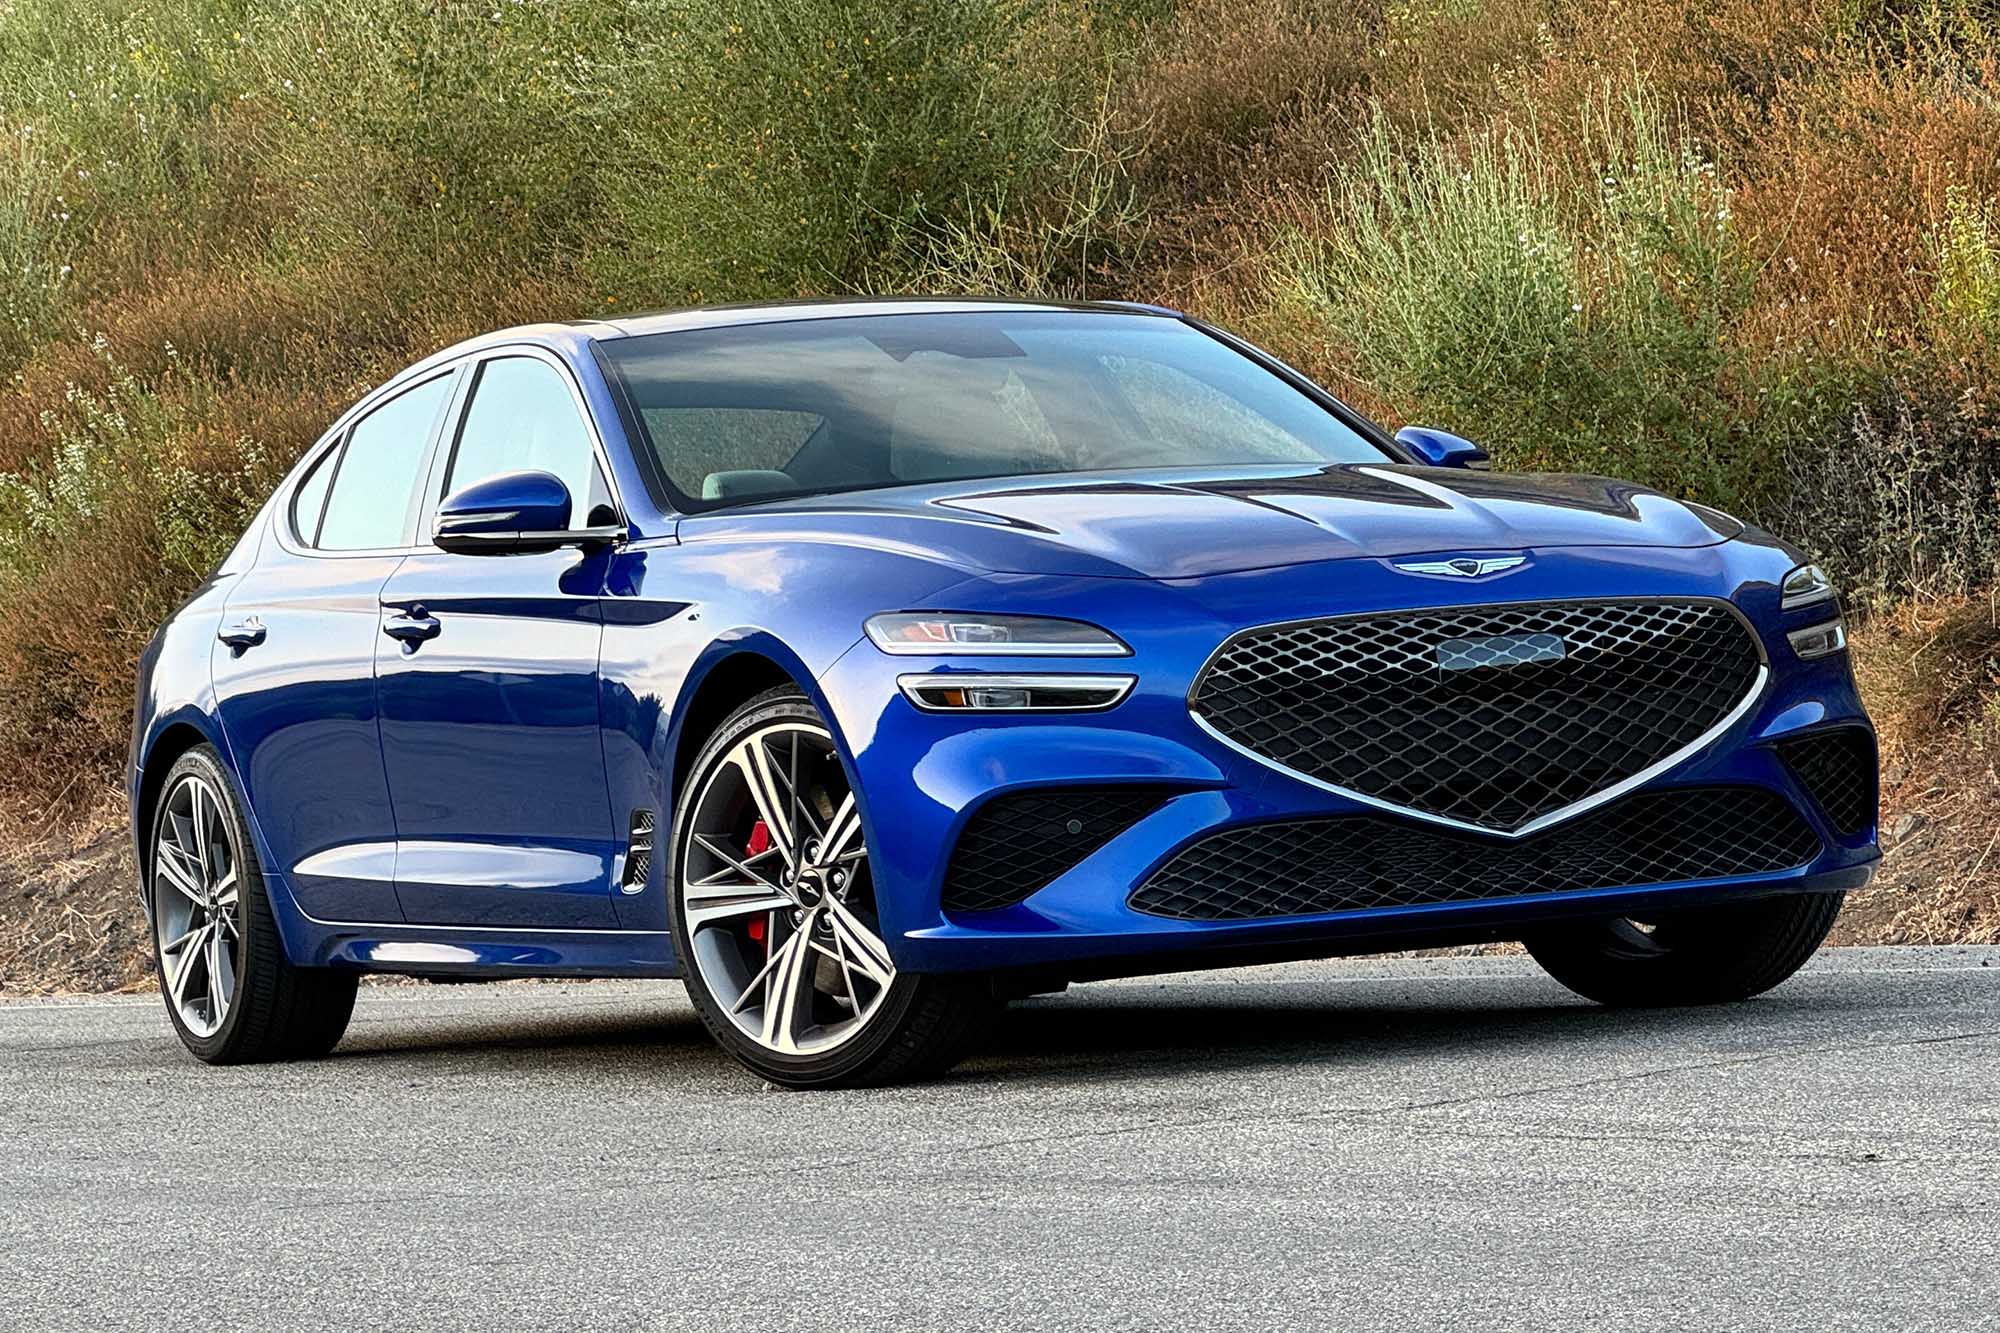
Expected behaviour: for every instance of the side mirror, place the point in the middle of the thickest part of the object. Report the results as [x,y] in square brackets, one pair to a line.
[512,513]
[1440,448]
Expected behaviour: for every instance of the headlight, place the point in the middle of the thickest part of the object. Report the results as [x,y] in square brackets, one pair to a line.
[955,633]
[1804,586]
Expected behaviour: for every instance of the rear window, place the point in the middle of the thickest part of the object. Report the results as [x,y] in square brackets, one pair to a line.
[376,478]
[843,404]
[310,498]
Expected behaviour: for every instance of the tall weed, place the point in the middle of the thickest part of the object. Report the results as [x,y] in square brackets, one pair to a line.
[1578,320]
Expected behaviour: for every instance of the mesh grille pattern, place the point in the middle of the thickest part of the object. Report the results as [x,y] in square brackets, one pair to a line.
[1838,768]
[1489,715]
[1351,862]
[1014,845]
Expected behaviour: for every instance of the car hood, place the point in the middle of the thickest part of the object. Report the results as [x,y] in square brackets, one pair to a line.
[1184,524]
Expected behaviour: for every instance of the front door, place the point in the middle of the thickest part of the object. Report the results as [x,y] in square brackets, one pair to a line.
[486,681]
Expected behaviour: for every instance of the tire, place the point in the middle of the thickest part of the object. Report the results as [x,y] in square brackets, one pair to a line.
[777,934]
[271,1009]
[1698,955]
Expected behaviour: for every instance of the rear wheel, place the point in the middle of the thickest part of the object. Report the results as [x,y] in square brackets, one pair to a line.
[1697,955]
[230,991]
[776,921]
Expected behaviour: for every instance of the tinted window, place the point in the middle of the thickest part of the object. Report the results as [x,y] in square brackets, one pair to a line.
[310,498]
[893,399]
[713,441]
[378,470]
[522,416]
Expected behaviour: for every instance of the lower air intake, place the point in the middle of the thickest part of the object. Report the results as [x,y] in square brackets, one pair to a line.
[1017,844]
[1838,768]
[1350,863]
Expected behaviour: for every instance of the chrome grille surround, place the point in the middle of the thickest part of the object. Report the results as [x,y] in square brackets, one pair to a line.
[1512,736]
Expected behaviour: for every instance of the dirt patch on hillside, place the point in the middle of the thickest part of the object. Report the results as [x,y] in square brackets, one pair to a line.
[70,918]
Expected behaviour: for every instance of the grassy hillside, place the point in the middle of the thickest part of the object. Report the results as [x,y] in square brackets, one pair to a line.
[1745,250]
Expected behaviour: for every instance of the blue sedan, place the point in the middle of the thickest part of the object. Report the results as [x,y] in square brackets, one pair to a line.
[868,664]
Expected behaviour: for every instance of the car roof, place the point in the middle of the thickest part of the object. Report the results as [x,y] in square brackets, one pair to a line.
[571,332]
[767,312]
[572,337]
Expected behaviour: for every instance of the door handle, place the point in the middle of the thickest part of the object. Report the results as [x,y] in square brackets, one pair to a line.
[243,635]
[412,627]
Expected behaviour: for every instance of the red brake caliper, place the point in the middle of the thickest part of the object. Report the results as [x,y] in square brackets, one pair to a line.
[760,842]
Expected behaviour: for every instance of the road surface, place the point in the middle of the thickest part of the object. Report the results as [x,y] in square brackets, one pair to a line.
[1368,1145]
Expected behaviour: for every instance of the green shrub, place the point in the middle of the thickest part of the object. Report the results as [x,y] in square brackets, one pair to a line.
[33,247]
[1967,296]
[776,147]
[1576,322]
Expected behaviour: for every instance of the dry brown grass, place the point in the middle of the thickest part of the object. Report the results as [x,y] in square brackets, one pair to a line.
[1931,676]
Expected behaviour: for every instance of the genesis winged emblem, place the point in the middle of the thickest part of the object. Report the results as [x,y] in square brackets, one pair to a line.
[1464,567]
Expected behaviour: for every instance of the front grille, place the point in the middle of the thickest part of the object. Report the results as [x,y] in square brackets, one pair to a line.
[1351,862]
[1493,715]
[1017,844]
[1837,767]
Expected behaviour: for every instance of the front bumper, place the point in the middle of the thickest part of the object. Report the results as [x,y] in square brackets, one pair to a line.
[925,775]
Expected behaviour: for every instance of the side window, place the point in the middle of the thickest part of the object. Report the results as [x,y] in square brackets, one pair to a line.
[310,498]
[523,417]
[377,473]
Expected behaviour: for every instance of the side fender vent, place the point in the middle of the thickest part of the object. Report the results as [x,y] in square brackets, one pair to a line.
[638,853]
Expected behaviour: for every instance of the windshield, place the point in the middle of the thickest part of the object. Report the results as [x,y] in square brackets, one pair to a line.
[762,411]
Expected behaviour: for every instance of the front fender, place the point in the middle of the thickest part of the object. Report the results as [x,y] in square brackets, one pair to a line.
[676,615]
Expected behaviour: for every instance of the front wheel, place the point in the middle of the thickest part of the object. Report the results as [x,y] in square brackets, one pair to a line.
[1695,955]
[231,993]
[776,919]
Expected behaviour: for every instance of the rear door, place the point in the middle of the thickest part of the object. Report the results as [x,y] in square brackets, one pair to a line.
[294,670]
[490,723]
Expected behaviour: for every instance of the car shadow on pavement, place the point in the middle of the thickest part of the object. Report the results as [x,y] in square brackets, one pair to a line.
[650,1026]
[1167,1030]
[1161,1033]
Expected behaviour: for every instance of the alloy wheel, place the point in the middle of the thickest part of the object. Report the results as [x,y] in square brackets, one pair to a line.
[195,899]
[776,896]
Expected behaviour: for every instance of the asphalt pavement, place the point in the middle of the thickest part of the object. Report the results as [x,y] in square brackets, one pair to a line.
[1394,1144]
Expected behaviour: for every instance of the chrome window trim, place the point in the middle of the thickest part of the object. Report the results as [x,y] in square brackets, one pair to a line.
[1625,786]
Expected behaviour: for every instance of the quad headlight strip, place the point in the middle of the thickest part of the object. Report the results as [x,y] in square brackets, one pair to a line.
[1805,586]
[1822,640]
[978,692]
[964,633]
